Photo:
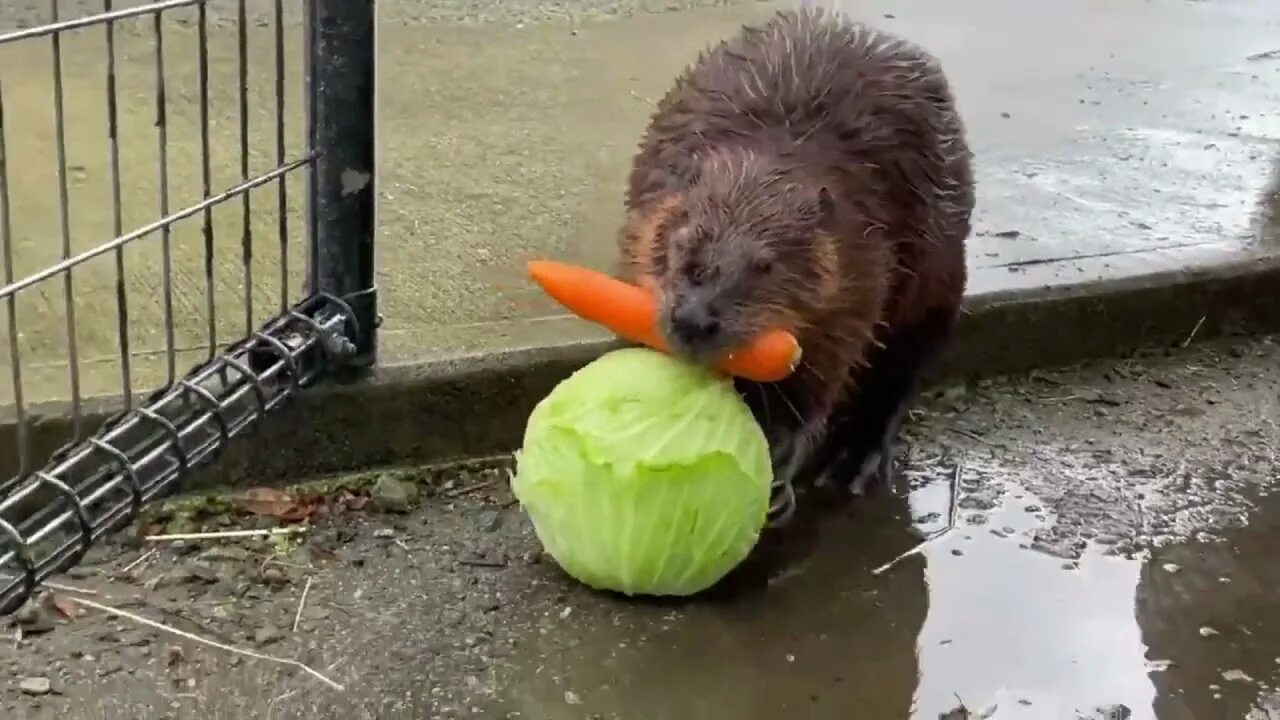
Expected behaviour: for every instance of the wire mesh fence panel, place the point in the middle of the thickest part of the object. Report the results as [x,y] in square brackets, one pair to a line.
[182,183]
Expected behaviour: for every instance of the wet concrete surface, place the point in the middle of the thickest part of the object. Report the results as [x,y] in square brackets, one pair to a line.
[506,130]
[1110,557]
[1146,149]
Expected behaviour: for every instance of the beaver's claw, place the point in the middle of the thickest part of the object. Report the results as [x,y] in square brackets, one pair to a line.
[782,503]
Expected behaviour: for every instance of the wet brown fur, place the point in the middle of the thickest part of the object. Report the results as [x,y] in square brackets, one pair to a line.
[759,123]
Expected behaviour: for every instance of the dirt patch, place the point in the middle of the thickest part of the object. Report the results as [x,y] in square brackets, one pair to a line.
[445,607]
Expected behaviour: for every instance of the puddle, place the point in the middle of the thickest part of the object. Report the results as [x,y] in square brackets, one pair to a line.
[977,616]
[1032,635]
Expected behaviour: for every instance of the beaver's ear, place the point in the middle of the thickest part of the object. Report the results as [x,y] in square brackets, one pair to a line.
[826,209]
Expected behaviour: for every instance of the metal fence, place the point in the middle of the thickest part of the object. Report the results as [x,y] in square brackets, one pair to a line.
[54,506]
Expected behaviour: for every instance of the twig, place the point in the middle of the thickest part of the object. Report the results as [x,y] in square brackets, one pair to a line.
[302,601]
[145,556]
[177,616]
[205,641]
[68,588]
[973,436]
[265,532]
[1194,330]
[470,488]
[953,511]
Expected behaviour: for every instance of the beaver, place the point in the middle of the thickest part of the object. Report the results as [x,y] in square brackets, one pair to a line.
[810,172]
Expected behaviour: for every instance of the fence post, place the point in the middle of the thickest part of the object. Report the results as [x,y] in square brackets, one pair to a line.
[342,206]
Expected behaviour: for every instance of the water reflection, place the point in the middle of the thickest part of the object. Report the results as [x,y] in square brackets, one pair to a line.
[978,617]
[1035,636]
[827,640]
[1208,609]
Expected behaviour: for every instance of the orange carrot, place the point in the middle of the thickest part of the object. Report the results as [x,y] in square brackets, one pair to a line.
[632,313]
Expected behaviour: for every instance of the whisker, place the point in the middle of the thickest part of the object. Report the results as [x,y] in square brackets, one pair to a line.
[764,405]
[782,394]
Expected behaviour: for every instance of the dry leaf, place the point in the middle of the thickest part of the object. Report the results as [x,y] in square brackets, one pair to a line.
[301,510]
[266,501]
[65,607]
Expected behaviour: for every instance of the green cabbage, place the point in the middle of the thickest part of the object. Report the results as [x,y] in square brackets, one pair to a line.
[644,475]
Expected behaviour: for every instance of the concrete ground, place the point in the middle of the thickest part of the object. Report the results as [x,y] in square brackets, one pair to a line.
[1113,552]
[1113,557]
[1112,140]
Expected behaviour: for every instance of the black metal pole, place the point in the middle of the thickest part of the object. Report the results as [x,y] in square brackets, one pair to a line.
[343,201]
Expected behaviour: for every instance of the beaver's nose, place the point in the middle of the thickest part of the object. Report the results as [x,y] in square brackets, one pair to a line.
[695,322]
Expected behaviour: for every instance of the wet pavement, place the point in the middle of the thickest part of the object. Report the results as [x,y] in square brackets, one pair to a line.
[1145,149]
[1110,557]
[508,136]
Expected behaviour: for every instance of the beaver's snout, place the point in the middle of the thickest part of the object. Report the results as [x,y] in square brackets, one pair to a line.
[695,323]
[696,328]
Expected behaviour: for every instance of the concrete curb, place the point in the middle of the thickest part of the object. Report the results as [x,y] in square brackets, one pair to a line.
[410,414]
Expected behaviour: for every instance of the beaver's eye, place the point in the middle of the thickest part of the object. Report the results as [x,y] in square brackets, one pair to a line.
[695,272]
[762,265]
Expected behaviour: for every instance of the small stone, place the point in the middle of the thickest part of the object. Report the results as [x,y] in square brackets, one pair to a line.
[199,572]
[384,533]
[82,572]
[138,652]
[34,619]
[392,495]
[1236,676]
[266,635]
[316,612]
[572,698]
[489,520]
[1171,567]
[174,655]
[137,640]
[1207,631]
[533,557]
[275,576]
[35,686]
